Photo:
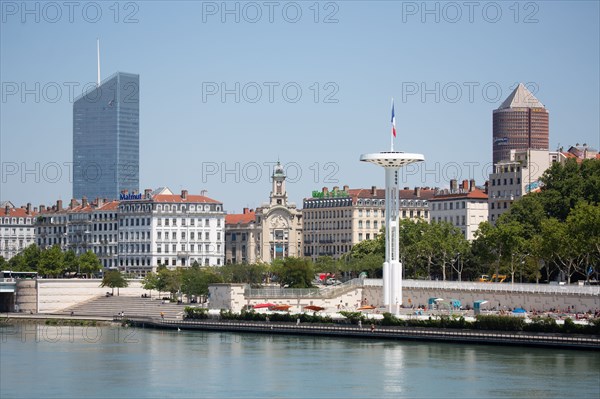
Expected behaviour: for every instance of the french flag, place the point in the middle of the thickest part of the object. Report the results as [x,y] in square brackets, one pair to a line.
[393,120]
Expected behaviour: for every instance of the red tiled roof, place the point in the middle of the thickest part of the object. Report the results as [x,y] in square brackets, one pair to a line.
[109,206]
[178,198]
[17,213]
[475,194]
[240,218]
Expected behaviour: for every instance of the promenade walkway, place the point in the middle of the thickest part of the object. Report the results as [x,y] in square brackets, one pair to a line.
[381,332]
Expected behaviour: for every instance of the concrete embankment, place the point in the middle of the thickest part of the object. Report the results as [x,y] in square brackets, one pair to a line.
[382,332]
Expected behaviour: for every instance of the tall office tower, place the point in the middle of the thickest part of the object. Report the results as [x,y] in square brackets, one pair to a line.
[106,138]
[520,123]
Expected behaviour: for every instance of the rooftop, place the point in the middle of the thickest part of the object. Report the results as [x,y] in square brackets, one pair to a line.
[521,97]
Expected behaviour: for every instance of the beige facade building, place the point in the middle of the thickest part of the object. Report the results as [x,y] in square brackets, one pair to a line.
[272,231]
[17,229]
[465,207]
[515,177]
[336,220]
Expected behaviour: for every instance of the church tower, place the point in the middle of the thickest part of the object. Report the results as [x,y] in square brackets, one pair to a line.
[278,191]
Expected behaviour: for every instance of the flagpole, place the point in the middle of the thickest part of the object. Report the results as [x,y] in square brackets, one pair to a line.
[392,135]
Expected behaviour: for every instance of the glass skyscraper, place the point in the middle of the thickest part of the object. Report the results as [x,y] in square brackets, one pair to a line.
[106,138]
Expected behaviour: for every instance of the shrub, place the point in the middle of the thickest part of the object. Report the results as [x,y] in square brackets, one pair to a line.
[195,313]
[499,323]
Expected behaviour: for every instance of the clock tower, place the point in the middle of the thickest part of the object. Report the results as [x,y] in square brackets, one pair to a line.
[278,192]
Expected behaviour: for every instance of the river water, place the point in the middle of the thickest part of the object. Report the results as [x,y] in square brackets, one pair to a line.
[76,362]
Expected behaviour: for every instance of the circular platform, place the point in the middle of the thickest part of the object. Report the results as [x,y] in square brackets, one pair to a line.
[392,159]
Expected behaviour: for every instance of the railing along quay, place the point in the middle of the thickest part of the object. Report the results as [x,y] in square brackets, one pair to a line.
[381,332]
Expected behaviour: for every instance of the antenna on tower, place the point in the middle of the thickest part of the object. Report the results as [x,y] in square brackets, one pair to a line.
[98,51]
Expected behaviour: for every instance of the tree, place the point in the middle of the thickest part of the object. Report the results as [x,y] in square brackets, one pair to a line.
[295,272]
[195,281]
[89,263]
[71,261]
[51,262]
[114,279]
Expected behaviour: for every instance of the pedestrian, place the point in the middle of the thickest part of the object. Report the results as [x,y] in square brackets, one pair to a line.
[298,321]
[372,327]
[360,324]
[162,316]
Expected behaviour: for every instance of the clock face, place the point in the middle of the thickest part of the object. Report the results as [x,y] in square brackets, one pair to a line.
[278,184]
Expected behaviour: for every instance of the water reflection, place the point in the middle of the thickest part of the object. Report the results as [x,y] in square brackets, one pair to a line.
[148,363]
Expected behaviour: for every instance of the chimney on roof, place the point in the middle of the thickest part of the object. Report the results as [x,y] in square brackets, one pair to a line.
[184,194]
[7,210]
[73,203]
[28,208]
[465,185]
[472,185]
[373,190]
[453,186]
[203,193]
[418,192]
[325,190]
[147,193]
[35,209]
[346,188]
[42,208]
[246,210]
[486,185]
[336,189]
[84,202]
[58,205]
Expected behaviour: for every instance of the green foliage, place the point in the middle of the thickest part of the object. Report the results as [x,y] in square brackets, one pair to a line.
[253,274]
[114,279]
[353,317]
[499,323]
[295,272]
[195,313]
[71,261]
[51,262]
[89,263]
[554,231]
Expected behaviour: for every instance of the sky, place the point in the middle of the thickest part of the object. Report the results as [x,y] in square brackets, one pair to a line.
[227,89]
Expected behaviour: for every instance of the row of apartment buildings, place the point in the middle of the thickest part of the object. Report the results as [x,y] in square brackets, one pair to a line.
[142,230]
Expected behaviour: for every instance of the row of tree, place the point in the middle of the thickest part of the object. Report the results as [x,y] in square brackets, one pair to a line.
[549,235]
[52,262]
[552,234]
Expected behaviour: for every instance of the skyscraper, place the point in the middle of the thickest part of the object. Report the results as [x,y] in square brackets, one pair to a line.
[520,123]
[106,137]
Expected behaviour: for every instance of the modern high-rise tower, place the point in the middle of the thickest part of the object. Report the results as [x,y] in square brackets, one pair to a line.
[520,123]
[106,138]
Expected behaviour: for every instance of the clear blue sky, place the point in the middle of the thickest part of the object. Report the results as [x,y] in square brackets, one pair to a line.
[368,53]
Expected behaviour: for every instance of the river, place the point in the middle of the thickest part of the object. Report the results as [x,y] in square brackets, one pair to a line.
[78,362]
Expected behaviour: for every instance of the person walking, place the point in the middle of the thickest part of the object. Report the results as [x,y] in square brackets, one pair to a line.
[162,316]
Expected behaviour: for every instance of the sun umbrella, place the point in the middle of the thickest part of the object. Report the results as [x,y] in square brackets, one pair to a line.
[519,310]
[366,307]
[314,307]
[263,305]
[280,307]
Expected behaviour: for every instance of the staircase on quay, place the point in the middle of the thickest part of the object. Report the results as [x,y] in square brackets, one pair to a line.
[103,306]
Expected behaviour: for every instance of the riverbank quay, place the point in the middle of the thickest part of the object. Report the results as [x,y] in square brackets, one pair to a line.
[545,340]
[8,318]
